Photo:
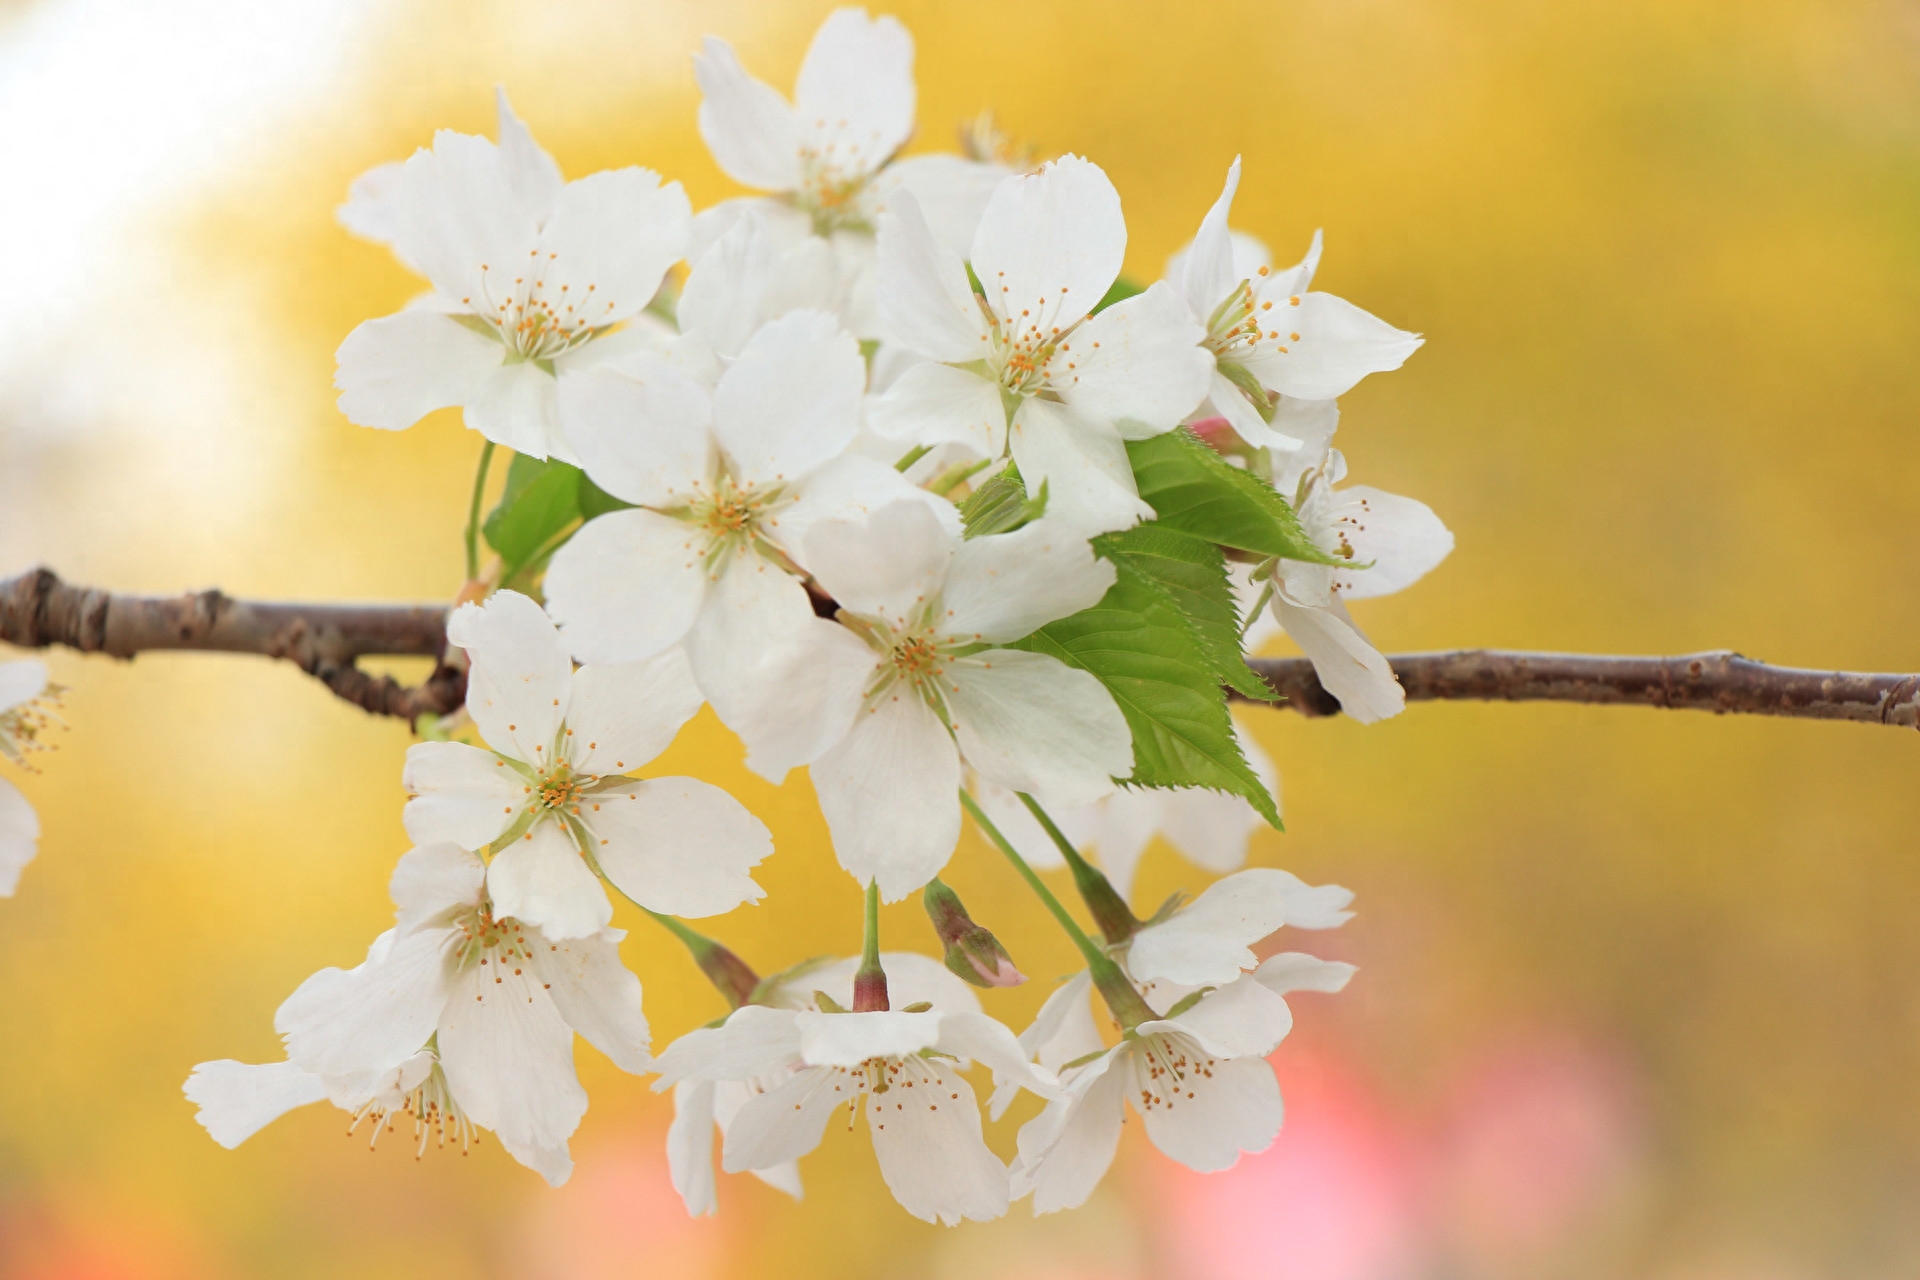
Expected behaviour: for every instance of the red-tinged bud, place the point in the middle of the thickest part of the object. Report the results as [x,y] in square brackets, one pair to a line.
[973,953]
[1217,434]
[728,972]
[870,988]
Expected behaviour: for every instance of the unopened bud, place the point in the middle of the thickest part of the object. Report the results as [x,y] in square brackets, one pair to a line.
[728,972]
[973,953]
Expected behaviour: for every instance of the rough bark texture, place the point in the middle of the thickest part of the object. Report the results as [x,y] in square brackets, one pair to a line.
[37,609]
[1719,681]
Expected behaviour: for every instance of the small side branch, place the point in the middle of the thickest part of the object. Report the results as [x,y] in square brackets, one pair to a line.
[1719,681]
[37,609]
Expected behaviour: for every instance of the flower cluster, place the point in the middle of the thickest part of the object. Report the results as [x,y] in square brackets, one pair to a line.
[892,469]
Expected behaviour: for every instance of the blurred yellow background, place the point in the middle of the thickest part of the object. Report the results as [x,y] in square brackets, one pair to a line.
[1639,993]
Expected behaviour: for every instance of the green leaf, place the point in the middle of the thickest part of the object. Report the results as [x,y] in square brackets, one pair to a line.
[541,499]
[1119,291]
[1195,490]
[595,501]
[1001,505]
[1193,573]
[1137,643]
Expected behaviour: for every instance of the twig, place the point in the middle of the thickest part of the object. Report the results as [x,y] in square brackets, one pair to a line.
[37,609]
[1719,681]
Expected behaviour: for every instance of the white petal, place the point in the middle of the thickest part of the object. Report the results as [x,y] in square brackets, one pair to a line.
[932,404]
[531,172]
[1031,723]
[926,302]
[690,1147]
[755,1041]
[884,566]
[759,269]
[642,431]
[554,1162]
[849,1039]
[21,681]
[952,192]
[786,223]
[1236,1108]
[747,125]
[628,585]
[786,681]
[1211,827]
[455,212]
[678,845]
[1064,1030]
[784,1176]
[509,1060]
[19,836]
[518,405]
[239,1099]
[521,677]
[783,1123]
[1402,538]
[1297,971]
[1005,587]
[791,402]
[1210,940]
[852,487]
[890,794]
[1073,1141]
[374,1016]
[609,243]
[1128,821]
[931,1154]
[394,371]
[433,880]
[975,1037]
[1351,669]
[369,211]
[854,97]
[624,714]
[1050,243]
[597,996]
[1231,403]
[541,880]
[1139,365]
[1207,276]
[1339,344]
[458,794]
[1312,422]
[1240,1020]
[1083,464]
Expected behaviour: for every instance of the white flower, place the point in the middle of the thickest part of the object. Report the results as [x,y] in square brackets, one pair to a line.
[887,704]
[1209,828]
[460,1017]
[550,793]
[1209,941]
[529,277]
[1196,1076]
[1393,541]
[1266,333]
[828,157]
[701,1105]
[1023,367]
[26,701]
[727,483]
[903,1066]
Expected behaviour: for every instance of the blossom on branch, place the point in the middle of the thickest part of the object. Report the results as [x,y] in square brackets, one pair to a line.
[550,795]
[530,275]
[460,1018]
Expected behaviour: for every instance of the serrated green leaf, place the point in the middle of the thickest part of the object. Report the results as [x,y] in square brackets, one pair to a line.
[541,499]
[595,501]
[1136,642]
[1195,490]
[1119,291]
[1193,573]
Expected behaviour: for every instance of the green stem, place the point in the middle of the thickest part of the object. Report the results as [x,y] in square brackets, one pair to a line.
[912,456]
[473,511]
[1110,910]
[870,979]
[1128,1009]
[1266,594]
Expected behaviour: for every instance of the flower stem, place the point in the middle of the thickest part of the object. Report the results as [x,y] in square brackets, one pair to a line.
[1110,910]
[1129,1010]
[870,979]
[729,974]
[473,511]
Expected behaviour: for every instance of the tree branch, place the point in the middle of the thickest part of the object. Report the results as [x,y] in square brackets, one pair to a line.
[1719,681]
[37,609]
